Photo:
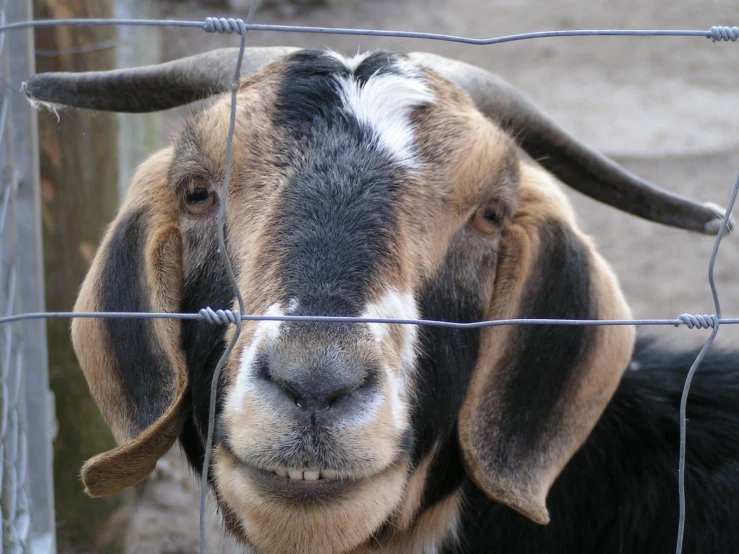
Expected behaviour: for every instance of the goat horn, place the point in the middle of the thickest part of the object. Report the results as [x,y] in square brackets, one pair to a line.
[149,88]
[566,158]
[167,85]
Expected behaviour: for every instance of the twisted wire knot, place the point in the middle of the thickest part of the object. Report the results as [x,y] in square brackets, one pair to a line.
[220,317]
[699,321]
[719,33]
[224,25]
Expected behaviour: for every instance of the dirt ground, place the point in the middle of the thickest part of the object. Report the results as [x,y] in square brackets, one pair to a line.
[664,108]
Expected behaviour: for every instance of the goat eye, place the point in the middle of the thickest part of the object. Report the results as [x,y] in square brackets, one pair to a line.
[487,219]
[198,198]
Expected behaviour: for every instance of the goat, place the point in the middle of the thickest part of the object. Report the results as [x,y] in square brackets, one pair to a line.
[390,185]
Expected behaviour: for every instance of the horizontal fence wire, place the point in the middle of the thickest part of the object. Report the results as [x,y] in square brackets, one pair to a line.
[231,25]
[237,317]
[232,316]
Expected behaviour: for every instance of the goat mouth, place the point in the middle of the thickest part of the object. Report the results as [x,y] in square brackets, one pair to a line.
[303,486]
[307,474]
[299,485]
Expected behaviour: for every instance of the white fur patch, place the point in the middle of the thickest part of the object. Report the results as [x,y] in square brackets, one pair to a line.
[351,63]
[385,103]
[266,330]
[395,385]
[292,306]
[395,305]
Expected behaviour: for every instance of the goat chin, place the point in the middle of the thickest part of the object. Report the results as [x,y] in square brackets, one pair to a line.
[337,524]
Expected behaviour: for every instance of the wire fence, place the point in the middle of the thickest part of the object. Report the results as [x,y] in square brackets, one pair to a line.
[26,424]
[13,427]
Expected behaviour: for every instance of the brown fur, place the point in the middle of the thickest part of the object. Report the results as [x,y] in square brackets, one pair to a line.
[526,490]
[131,462]
[431,530]
[466,160]
[413,496]
[330,528]
[89,336]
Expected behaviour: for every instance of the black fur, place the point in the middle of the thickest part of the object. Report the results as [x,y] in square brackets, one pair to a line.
[206,284]
[619,492]
[143,368]
[337,220]
[309,90]
[447,359]
[541,360]
[337,216]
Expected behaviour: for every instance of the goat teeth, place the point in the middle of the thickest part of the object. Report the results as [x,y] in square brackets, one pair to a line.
[311,475]
[281,471]
[329,474]
[295,474]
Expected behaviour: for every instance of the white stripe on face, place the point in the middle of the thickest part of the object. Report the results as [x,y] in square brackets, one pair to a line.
[385,103]
[351,63]
[395,386]
[395,305]
[265,330]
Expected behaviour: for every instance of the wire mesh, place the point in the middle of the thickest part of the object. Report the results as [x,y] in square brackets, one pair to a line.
[14,444]
[14,501]
[26,501]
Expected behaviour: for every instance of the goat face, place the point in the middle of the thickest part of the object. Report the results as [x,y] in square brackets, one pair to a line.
[372,187]
[356,215]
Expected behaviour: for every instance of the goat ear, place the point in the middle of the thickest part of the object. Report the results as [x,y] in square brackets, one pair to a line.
[537,391]
[135,367]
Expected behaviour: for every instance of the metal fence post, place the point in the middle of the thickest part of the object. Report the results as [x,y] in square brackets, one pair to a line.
[26,407]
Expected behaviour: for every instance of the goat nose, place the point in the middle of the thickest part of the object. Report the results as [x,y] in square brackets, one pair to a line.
[315,399]
[314,388]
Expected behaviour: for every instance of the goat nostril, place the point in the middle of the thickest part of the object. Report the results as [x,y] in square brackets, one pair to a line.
[335,398]
[291,391]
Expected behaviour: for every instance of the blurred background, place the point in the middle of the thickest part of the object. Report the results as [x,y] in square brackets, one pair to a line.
[665,108]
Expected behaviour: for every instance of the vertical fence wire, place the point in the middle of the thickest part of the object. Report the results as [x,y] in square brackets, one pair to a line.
[25,431]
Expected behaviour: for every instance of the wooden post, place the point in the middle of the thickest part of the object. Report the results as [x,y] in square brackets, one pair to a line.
[80,192]
[138,134]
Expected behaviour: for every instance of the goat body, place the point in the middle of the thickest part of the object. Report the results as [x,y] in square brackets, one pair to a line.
[619,493]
